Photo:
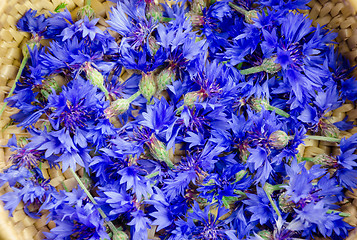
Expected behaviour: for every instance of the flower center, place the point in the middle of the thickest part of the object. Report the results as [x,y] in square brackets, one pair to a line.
[74,116]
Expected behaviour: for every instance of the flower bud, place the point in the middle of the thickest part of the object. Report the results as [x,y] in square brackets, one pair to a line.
[250,16]
[120,235]
[197,6]
[324,160]
[270,66]
[153,45]
[22,141]
[257,104]
[34,41]
[190,98]
[164,78]
[154,12]
[47,85]
[285,204]
[158,151]
[117,107]
[329,130]
[87,10]
[96,78]
[265,234]
[196,20]
[147,86]
[278,139]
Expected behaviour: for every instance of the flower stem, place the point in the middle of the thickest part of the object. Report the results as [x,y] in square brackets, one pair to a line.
[134,96]
[238,9]
[151,175]
[251,70]
[322,138]
[269,189]
[88,2]
[109,223]
[342,214]
[278,111]
[22,66]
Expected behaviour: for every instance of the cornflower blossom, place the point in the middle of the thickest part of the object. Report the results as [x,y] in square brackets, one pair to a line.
[213,100]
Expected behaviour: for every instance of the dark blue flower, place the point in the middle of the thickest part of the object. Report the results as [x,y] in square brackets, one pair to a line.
[29,23]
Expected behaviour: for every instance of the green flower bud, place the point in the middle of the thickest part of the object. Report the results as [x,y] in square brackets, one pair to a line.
[147,86]
[329,130]
[120,236]
[270,66]
[195,19]
[22,141]
[250,16]
[190,98]
[154,12]
[153,45]
[324,160]
[257,104]
[96,78]
[285,204]
[117,107]
[164,78]
[158,151]
[87,10]
[265,234]
[278,139]
[197,6]
[34,41]
[47,85]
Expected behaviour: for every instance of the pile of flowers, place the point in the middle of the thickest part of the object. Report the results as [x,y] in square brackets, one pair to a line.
[200,142]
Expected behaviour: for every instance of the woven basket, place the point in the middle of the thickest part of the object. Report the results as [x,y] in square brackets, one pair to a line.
[338,15]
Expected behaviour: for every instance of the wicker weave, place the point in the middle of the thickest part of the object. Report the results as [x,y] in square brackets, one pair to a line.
[336,14]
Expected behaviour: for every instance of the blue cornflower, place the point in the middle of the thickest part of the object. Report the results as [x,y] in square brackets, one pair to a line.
[219,186]
[29,187]
[24,156]
[57,22]
[313,200]
[127,206]
[296,51]
[77,218]
[346,163]
[79,110]
[259,206]
[203,225]
[30,23]
[340,69]
[129,21]
[164,214]
[82,28]
[283,5]
[160,117]
[31,92]
[180,45]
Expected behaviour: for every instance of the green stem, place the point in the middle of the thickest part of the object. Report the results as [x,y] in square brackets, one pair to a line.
[322,138]
[306,159]
[88,2]
[251,70]
[109,223]
[240,175]
[240,193]
[151,175]
[134,96]
[278,111]
[238,9]
[22,66]
[342,214]
[268,190]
